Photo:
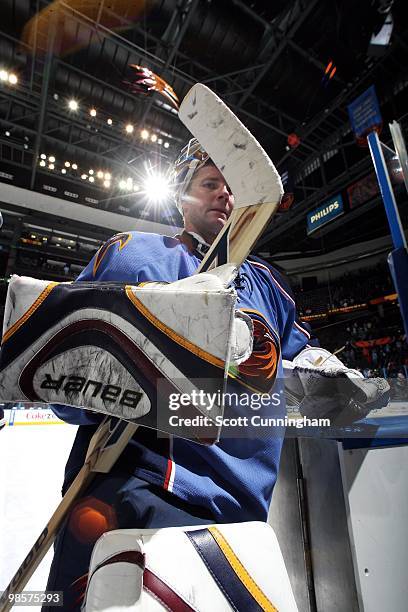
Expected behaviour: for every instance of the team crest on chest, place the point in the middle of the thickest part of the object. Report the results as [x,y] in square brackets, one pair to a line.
[258,372]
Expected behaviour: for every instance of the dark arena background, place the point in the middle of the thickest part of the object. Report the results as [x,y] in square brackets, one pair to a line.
[87,144]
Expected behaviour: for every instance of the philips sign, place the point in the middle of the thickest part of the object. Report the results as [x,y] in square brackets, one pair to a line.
[322,215]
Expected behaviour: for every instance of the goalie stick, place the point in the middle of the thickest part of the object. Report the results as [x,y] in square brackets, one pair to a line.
[250,174]
[257,190]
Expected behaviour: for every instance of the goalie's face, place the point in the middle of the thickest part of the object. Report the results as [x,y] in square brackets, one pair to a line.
[207,203]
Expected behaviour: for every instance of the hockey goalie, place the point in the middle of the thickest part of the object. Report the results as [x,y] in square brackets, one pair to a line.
[173,509]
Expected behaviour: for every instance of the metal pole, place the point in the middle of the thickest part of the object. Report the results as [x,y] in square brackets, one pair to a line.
[400,149]
[387,193]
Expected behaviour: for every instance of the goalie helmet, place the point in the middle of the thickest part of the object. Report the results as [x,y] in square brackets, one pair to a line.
[192,157]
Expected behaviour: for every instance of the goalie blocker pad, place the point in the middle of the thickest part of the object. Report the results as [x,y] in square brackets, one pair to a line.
[217,567]
[121,350]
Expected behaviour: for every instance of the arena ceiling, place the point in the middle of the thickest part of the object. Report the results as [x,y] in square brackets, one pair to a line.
[268,60]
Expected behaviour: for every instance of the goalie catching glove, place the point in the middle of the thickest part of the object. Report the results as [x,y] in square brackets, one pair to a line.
[321,386]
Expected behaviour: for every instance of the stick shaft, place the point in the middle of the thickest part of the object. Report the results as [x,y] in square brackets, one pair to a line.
[242,230]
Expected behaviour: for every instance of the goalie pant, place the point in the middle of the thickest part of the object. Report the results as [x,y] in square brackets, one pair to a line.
[233,480]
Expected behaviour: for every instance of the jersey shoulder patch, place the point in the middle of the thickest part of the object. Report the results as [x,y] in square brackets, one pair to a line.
[118,241]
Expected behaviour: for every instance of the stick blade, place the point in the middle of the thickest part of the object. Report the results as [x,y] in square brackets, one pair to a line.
[245,165]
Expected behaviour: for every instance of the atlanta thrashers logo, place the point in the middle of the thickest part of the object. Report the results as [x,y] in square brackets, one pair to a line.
[259,371]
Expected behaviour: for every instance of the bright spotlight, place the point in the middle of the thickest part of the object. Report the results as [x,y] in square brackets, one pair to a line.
[67,164]
[166,145]
[91,179]
[160,141]
[63,171]
[73,105]
[122,185]
[12,78]
[84,177]
[156,187]
[7,133]
[106,184]
[144,134]
[109,121]
[75,166]
[51,159]
[153,138]
[4,75]
[99,174]
[91,172]
[43,156]
[129,128]
[92,112]
[108,176]
[42,163]
[51,166]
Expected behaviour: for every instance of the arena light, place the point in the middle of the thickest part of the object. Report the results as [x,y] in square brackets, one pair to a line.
[67,164]
[73,105]
[63,171]
[108,176]
[43,156]
[160,141]
[42,163]
[91,179]
[129,128]
[91,172]
[106,184]
[92,112]
[12,79]
[7,133]
[166,145]
[99,174]
[154,138]
[109,121]
[51,159]
[156,187]
[51,166]
[4,75]
[74,166]
[122,185]
[144,134]
[84,177]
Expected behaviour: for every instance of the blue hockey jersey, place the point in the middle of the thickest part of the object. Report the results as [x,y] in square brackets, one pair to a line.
[232,480]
